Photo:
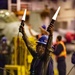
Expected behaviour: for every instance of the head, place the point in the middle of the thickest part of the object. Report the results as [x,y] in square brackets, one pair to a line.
[41,44]
[44,15]
[4,40]
[46,6]
[59,38]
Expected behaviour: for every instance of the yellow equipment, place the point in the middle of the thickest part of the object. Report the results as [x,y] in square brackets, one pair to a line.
[21,58]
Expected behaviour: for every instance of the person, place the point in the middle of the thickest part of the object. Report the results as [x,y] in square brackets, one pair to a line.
[4,54]
[45,17]
[28,27]
[43,31]
[42,63]
[73,58]
[60,52]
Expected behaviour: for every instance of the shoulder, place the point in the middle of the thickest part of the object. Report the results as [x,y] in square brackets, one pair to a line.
[60,45]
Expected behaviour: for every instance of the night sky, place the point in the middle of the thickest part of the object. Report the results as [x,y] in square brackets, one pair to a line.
[3,4]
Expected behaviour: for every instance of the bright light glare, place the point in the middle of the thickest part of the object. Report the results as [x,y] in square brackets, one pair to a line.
[7,13]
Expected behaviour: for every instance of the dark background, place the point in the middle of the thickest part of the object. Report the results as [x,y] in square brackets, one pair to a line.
[3,4]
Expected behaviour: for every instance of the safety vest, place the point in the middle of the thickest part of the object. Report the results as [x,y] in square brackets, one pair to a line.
[63,53]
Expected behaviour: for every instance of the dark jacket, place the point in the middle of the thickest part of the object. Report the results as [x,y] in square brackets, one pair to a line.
[73,58]
[40,65]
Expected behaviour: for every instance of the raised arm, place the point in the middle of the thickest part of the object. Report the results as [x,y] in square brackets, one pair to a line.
[32,51]
[50,30]
[49,42]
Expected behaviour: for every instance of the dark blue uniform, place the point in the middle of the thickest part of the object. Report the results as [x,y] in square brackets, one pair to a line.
[41,65]
[4,55]
[61,64]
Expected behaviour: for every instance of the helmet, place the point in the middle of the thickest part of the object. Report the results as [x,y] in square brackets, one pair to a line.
[43,26]
[4,39]
[43,39]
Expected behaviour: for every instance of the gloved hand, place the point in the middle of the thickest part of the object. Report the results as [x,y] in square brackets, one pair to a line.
[50,29]
[21,29]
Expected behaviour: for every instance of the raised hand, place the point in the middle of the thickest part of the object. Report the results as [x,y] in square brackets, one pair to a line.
[21,29]
[50,29]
